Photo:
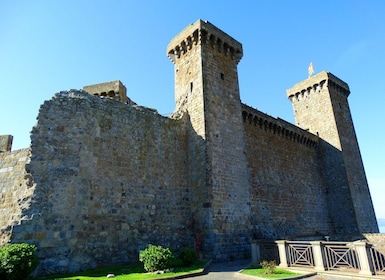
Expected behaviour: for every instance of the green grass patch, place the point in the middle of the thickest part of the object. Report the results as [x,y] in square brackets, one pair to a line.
[278,273]
[127,272]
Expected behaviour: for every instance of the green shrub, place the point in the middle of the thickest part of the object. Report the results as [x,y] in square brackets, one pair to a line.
[177,262]
[17,261]
[268,266]
[188,256]
[156,258]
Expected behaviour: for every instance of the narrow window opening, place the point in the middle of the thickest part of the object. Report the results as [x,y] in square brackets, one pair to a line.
[222,76]
[191,86]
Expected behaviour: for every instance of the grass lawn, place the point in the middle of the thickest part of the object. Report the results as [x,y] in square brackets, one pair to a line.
[279,273]
[127,272]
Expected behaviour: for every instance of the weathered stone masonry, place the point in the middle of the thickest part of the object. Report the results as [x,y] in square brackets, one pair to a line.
[16,190]
[114,179]
[104,177]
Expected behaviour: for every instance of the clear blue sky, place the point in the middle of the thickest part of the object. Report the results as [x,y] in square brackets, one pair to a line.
[49,46]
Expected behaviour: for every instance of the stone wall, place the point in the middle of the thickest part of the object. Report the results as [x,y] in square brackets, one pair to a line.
[110,179]
[288,198]
[16,188]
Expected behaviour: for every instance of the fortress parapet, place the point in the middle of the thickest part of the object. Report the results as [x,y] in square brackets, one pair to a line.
[279,127]
[115,90]
[203,32]
[316,83]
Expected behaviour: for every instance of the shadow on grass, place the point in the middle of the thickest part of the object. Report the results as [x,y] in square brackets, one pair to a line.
[131,271]
[99,272]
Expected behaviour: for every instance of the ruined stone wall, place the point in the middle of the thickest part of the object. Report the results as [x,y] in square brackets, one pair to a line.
[16,189]
[110,179]
[288,198]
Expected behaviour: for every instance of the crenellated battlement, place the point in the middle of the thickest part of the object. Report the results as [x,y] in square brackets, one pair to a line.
[203,32]
[316,83]
[338,86]
[279,127]
[114,90]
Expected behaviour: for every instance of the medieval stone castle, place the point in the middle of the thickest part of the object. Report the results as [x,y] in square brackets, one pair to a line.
[105,177]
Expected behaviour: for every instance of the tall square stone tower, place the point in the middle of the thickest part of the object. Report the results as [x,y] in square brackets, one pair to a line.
[206,89]
[320,105]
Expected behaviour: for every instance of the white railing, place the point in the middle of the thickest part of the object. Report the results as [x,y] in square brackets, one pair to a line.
[353,257]
[300,254]
[340,256]
[378,261]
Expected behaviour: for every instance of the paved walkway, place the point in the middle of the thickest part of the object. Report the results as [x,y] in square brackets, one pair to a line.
[223,271]
[229,271]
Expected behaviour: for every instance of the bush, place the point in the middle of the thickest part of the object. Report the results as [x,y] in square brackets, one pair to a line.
[17,261]
[188,256]
[268,266]
[177,262]
[156,258]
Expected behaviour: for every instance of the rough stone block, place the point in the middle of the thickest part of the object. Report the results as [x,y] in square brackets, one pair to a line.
[6,143]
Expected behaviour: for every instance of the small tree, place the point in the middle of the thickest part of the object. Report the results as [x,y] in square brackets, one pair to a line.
[268,266]
[156,258]
[17,261]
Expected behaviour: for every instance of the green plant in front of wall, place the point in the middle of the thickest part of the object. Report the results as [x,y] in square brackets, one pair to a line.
[17,261]
[156,258]
[268,270]
[268,266]
[188,256]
